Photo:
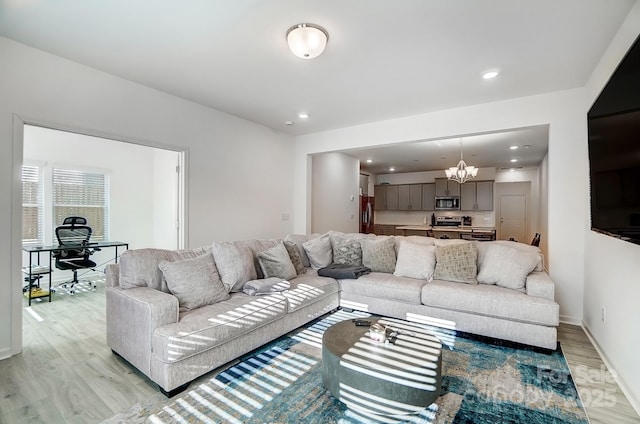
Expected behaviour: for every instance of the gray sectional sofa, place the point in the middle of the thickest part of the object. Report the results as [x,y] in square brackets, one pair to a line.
[176,315]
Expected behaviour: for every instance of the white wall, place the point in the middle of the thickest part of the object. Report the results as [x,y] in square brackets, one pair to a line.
[335,193]
[239,176]
[612,266]
[565,115]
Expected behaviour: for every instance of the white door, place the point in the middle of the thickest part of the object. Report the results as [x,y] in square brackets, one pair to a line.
[513,213]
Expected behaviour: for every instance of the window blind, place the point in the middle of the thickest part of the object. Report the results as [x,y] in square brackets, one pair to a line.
[86,194]
[32,206]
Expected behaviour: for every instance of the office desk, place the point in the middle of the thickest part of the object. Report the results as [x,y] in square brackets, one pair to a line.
[37,269]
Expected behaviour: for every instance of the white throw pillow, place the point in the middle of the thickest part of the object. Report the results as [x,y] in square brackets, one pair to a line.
[195,282]
[506,266]
[415,260]
[235,264]
[319,251]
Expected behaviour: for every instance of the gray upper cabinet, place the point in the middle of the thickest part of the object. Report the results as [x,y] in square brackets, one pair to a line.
[380,198]
[410,197]
[477,196]
[392,197]
[445,187]
[428,197]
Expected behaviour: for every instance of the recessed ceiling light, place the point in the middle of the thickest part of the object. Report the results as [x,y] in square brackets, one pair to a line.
[490,74]
[289,123]
[514,147]
[526,146]
[514,160]
[303,115]
[369,161]
[392,169]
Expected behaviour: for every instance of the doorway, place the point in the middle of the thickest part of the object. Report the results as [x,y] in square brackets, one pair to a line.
[144,192]
[514,211]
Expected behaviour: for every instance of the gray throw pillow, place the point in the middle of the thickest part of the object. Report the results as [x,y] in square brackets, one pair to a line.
[294,255]
[457,262]
[379,254]
[275,262]
[319,251]
[195,282]
[347,252]
[235,264]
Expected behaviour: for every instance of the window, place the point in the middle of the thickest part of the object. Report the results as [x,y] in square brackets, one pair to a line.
[32,206]
[86,194]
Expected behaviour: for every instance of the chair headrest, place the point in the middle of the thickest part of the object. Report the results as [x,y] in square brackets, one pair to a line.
[74,220]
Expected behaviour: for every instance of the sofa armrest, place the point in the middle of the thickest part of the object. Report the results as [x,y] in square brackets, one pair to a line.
[112,272]
[132,317]
[539,284]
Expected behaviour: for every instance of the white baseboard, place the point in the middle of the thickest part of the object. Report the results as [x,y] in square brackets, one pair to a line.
[570,320]
[635,402]
[5,353]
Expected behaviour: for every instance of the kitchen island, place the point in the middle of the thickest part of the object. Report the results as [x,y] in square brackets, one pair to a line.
[452,232]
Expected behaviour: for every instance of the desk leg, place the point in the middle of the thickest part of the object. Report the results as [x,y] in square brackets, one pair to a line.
[29,287]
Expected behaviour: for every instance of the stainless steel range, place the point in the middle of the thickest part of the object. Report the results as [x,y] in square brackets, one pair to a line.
[448,221]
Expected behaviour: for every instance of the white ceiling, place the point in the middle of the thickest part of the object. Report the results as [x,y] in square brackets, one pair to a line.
[385,59]
[485,150]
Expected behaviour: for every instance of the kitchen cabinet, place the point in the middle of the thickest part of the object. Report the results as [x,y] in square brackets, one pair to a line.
[477,196]
[380,196]
[410,197]
[384,230]
[386,197]
[428,197]
[446,187]
[392,198]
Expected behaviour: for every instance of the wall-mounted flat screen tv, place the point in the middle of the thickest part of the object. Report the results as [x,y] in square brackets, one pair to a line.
[614,152]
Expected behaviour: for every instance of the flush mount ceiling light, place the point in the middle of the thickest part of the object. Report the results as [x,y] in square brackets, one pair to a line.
[461,172]
[307,40]
[303,115]
[490,74]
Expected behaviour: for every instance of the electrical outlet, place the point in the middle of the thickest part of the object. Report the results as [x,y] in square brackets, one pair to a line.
[604,314]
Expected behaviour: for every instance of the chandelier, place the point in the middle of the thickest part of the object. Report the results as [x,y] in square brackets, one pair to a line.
[461,172]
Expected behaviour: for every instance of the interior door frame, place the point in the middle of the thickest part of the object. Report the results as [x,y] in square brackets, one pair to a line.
[16,210]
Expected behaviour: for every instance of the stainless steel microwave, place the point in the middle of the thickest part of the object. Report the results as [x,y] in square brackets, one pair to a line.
[447,203]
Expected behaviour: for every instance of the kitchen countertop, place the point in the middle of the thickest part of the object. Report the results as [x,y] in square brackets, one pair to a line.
[460,229]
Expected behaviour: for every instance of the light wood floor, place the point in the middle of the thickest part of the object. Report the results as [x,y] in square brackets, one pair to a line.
[67,374]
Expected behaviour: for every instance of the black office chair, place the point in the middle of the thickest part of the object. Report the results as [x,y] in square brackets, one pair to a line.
[536,240]
[74,234]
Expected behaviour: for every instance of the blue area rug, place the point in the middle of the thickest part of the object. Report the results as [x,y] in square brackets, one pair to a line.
[484,381]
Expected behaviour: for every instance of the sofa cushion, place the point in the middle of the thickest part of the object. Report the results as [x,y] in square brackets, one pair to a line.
[490,301]
[457,262]
[379,254]
[319,251]
[415,260]
[294,255]
[506,266]
[195,281]
[309,288]
[347,251]
[256,246]
[235,264]
[139,267]
[385,286]
[275,262]
[205,328]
